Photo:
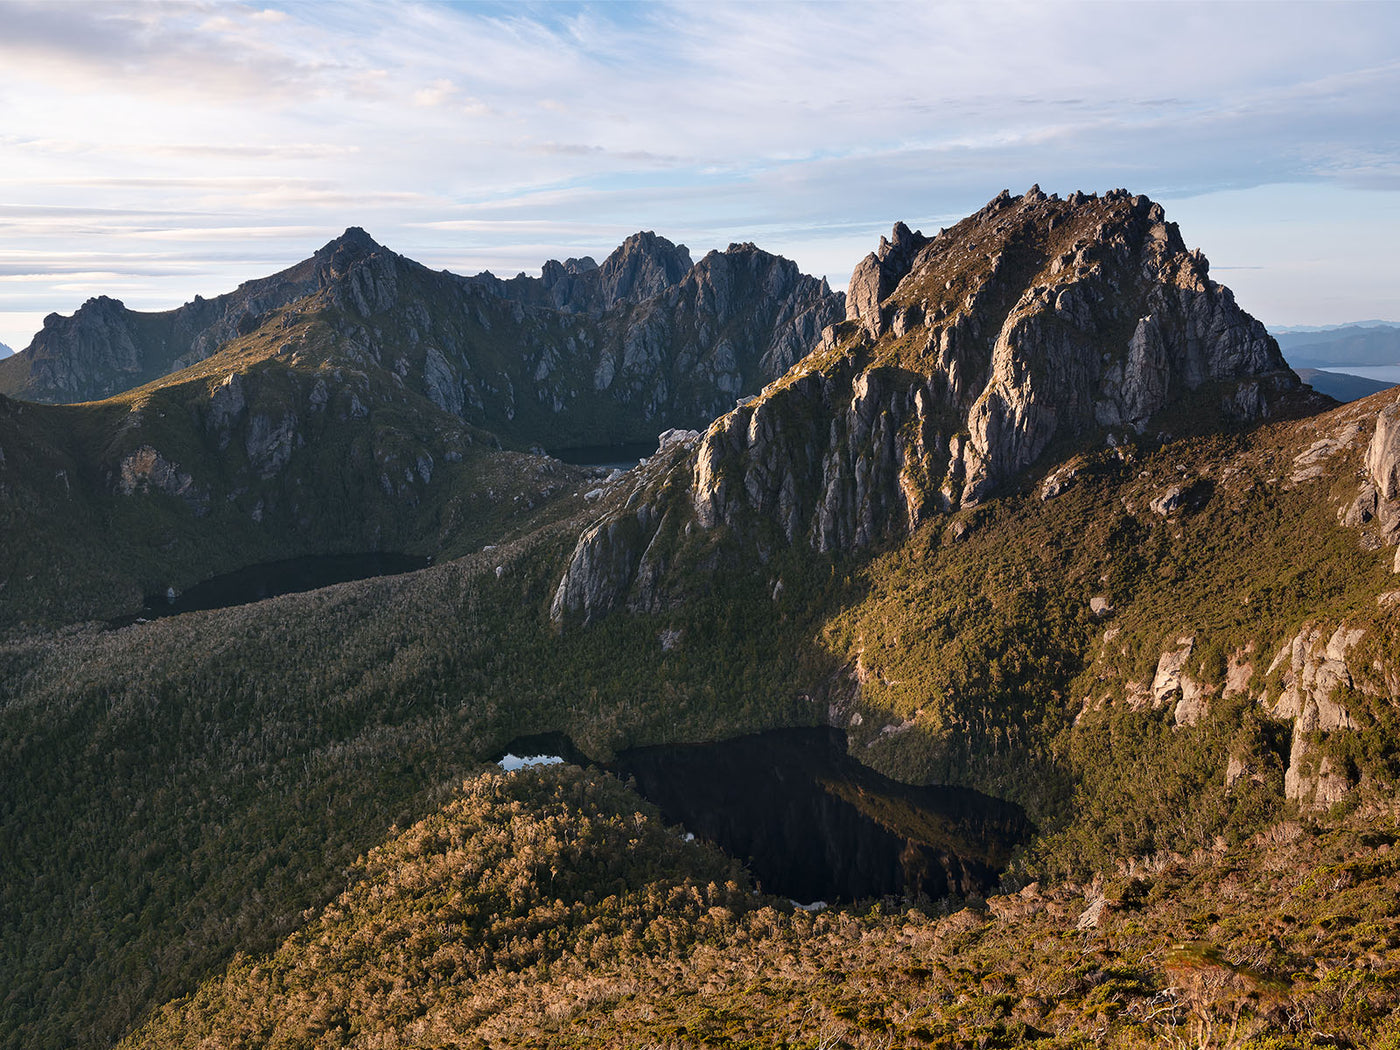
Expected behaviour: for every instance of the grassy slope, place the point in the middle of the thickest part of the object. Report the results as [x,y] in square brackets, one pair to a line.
[986,647]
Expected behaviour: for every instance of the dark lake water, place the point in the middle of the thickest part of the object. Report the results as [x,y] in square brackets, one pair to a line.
[621,457]
[270,579]
[812,823]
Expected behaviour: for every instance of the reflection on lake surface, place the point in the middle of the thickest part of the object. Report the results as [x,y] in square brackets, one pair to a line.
[510,763]
[270,579]
[814,824]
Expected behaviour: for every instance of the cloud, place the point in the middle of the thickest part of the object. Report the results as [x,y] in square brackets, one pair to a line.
[435,94]
[558,128]
[222,51]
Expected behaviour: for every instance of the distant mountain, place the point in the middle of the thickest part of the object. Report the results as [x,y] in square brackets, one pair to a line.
[5,351]
[104,348]
[583,355]
[1353,344]
[1293,329]
[1341,386]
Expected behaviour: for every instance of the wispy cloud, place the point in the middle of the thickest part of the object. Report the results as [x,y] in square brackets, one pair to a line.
[556,128]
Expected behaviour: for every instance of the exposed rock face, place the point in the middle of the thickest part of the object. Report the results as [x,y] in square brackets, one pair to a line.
[145,470]
[643,266]
[1034,320]
[599,354]
[604,563]
[227,405]
[1314,666]
[879,273]
[1383,454]
[1172,680]
[99,345]
[1375,509]
[269,442]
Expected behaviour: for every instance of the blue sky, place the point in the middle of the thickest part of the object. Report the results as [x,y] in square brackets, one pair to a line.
[154,151]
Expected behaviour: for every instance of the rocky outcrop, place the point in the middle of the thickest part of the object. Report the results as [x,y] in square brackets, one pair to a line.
[145,471]
[100,354]
[1312,668]
[879,273]
[1383,454]
[227,406]
[269,442]
[1375,509]
[603,565]
[645,265]
[1171,681]
[640,268]
[1381,498]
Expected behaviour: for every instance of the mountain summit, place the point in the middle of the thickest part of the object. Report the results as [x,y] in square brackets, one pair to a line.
[967,355]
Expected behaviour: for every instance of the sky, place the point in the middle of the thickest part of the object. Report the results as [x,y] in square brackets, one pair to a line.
[153,151]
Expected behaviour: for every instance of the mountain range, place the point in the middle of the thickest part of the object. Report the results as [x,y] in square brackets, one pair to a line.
[359,401]
[1356,344]
[1035,510]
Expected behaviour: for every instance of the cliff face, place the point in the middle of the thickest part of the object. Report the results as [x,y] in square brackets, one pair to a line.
[966,356]
[1036,323]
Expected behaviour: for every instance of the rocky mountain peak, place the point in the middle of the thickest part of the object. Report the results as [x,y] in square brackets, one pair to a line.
[335,259]
[554,269]
[642,266]
[877,275]
[1034,323]
[1034,320]
[354,238]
